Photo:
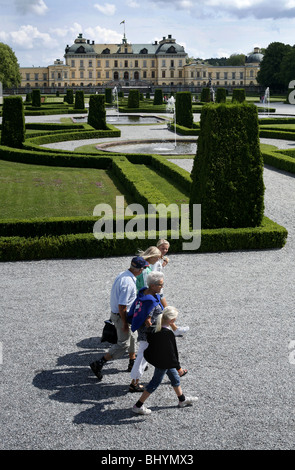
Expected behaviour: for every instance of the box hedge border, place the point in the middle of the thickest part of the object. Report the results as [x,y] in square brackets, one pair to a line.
[52,242]
[85,245]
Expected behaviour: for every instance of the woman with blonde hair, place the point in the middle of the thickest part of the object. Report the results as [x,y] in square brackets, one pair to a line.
[151,255]
[162,353]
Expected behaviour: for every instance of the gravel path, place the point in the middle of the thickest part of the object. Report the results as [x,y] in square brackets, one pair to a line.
[239,351]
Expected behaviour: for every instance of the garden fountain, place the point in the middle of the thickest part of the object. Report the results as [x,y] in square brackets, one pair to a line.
[266,100]
[115,99]
[171,109]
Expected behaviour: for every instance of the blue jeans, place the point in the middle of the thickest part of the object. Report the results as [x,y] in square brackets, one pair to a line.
[158,377]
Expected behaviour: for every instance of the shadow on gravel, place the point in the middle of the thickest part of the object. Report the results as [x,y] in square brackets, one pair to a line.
[72,381]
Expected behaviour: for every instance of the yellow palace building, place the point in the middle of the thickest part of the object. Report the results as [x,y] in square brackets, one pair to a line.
[160,64]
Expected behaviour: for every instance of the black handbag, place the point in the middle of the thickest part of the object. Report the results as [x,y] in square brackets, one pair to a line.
[109,332]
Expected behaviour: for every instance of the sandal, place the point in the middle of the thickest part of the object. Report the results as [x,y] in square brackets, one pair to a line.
[136,388]
[182,372]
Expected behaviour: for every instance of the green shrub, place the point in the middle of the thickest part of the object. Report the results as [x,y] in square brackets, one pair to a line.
[108,95]
[13,122]
[133,99]
[158,97]
[183,109]
[97,112]
[28,98]
[283,160]
[69,98]
[79,100]
[239,95]
[36,98]
[227,176]
[85,245]
[220,95]
[205,95]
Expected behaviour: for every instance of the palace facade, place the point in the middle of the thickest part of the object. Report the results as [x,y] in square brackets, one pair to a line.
[162,64]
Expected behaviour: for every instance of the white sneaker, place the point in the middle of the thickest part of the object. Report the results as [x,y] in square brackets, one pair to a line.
[187,402]
[181,331]
[143,410]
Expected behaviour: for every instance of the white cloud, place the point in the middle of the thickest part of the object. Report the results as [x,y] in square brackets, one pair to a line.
[107,9]
[67,31]
[259,9]
[103,35]
[132,4]
[27,36]
[37,7]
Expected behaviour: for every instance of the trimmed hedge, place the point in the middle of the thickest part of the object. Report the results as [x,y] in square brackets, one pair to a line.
[205,95]
[97,112]
[228,168]
[108,94]
[79,100]
[143,192]
[183,109]
[55,159]
[195,130]
[239,95]
[69,97]
[158,97]
[279,159]
[133,99]
[268,235]
[34,142]
[36,98]
[13,122]
[220,95]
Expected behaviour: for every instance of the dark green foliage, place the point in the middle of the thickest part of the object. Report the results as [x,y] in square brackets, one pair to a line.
[84,245]
[205,95]
[36,98]
[9,68]
[28,98]
[239,95]
[69,98]
[133,99]
[108,95]
[228,169]
[13,122]
[220,96]
[97,112]
[158,97]
[79,100]
[183,109]
[270,73]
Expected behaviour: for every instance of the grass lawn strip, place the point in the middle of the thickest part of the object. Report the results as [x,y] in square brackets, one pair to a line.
[32,191]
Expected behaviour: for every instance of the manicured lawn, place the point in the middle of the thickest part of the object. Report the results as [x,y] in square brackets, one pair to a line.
[28,191]
[165,185]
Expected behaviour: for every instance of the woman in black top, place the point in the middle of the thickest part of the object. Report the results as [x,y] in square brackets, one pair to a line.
[163,355]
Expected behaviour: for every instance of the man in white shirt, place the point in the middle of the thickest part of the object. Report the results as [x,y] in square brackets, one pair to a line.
[123,294]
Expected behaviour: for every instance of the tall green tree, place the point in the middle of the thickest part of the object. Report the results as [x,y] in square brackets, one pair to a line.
[287,71]
[9,68]
[236,59]
[269,74]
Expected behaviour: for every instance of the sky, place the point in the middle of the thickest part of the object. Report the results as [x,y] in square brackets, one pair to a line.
[39,30]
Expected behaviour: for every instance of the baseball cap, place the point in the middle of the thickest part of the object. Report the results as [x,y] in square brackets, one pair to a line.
[139,262]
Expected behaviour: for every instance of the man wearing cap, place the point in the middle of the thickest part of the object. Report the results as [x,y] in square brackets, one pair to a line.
[123,294]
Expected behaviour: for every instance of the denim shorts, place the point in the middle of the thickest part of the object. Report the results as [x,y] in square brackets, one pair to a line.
[158,377]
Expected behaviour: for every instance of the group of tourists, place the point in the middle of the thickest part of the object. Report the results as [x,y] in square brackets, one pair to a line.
[141,315]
